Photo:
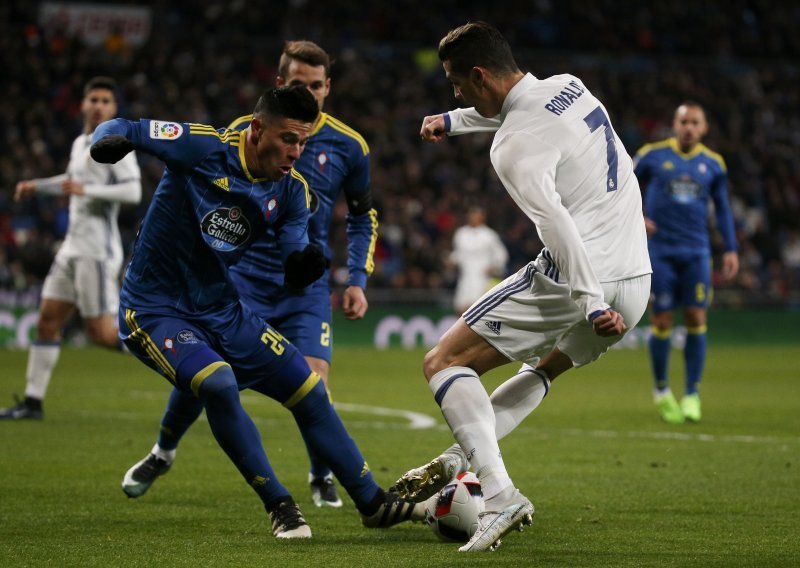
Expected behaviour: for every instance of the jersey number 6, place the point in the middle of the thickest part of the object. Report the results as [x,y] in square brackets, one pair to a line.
[595,120]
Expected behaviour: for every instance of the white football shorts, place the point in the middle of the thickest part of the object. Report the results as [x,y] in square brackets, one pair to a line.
[90,284]
[528,314]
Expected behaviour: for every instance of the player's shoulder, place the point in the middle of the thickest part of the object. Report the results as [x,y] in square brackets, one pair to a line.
[713,157]
[343,132]
[240,123]
[655,147]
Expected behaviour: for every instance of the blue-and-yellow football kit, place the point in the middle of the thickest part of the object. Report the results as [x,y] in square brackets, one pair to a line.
[678,189]
[335,161]
[180,312]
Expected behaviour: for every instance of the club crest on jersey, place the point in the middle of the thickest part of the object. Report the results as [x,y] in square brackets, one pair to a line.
[186,336]
[169,345]
[702,168]
[165,130]
[322,159]
[271,206]
[225,229]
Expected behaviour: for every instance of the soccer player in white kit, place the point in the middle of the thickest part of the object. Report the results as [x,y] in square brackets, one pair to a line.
[480,255]
[559,158]
[85,272]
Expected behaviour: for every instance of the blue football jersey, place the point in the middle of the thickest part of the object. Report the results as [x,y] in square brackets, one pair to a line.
[207,210]
[335,160]
[678,187]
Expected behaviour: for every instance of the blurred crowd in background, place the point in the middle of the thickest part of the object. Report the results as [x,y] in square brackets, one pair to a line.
[207,62]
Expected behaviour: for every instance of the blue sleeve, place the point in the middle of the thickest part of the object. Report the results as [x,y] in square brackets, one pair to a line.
[641,165]
[168,141]
[724,215]
[292,230]
[362,222]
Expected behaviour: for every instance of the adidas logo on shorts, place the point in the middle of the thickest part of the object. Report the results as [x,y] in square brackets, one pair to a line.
[494,326]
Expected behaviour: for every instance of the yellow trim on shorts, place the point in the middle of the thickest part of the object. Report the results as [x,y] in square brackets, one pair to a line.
[700,329]
[658,334]
[141,337]
[304,389]
[203,374]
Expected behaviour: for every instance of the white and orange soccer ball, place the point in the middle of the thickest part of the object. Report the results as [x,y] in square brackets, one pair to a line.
[452,514]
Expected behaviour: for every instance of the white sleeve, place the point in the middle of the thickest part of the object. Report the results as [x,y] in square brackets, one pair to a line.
[468,120]
[127,185]
[51,185]
[527,167]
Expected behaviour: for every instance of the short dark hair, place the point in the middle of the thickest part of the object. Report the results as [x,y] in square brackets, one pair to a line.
[306,51]
[294,101]
[477,44]
[100,83]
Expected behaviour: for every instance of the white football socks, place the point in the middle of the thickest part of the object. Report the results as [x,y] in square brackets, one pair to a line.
[517,397]
[42,358]
[166,455]
[512,401]
[468,411]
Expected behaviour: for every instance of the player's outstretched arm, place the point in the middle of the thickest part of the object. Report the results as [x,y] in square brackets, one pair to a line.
[433,128]
[110,142]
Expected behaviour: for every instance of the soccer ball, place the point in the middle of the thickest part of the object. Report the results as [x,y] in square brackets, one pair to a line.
[452,514]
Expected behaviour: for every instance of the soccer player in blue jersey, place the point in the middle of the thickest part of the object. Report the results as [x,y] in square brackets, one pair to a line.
[335,160]
[180,312]
[680,176]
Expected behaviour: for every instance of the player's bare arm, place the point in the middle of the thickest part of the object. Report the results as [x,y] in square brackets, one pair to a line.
[433,128]
[24,189]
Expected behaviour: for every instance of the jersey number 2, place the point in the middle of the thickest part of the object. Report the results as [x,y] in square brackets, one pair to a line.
[595,120]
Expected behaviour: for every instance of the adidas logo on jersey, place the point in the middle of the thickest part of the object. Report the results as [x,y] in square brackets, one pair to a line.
[223,183]
[494,326]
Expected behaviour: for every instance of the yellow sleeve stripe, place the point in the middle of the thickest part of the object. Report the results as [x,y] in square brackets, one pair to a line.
[299,177]
[369,266]
[337,124]
[304,389]
[203,374]
[239,121]
[141,337]
[659,334]
[647,148]
[225,137]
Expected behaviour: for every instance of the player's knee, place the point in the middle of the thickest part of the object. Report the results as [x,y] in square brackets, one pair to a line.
[218,382]
[315,405]
[434,362]
[105,336]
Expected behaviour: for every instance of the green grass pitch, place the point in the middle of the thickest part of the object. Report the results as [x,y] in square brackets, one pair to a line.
[612,485]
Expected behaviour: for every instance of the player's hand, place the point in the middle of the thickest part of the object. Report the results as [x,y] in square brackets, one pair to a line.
[24,189]
[304,267]
[111,149]
[72,187]
[730,265]
[609,323]
[354,303]
[650,226]
[433,129]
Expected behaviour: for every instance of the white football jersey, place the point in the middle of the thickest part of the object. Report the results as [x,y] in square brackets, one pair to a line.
[478,252]
[93,230]
[559,158]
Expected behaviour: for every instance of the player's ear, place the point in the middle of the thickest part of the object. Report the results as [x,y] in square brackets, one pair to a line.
[279,81]
[478,76]
[256,128]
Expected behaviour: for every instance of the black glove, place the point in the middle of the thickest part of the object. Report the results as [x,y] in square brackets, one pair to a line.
[304,267]
[111,149]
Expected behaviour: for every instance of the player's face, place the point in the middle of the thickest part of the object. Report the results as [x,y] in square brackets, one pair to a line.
[277,146]
[689,125]
[310,76]
[98,106]
[468,90]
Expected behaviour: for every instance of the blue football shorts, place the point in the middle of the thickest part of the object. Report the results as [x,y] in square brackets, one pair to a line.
[680,280]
